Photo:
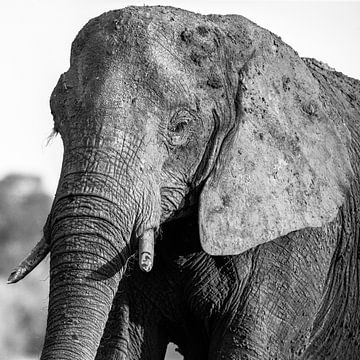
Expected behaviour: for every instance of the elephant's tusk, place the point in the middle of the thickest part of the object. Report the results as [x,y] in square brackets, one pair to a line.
[146,250]
[37,254]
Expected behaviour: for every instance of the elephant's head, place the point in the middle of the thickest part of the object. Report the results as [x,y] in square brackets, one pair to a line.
[163,112]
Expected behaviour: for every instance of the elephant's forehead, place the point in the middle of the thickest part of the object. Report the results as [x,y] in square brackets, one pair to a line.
[143,74]
[144,49]
[126,85]
[171,64]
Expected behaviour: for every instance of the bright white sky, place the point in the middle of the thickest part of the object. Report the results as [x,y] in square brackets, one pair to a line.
[36,36]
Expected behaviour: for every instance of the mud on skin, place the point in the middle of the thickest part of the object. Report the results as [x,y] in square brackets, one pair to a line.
[212,139]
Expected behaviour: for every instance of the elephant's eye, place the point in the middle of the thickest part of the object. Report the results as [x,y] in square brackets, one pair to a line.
[178,129]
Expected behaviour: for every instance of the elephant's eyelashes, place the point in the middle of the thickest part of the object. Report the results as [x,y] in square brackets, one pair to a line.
[178,129]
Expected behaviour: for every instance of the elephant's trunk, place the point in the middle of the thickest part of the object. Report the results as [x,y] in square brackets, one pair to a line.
[84,276]
[90,244]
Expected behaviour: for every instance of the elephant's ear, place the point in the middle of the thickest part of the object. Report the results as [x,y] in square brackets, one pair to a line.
[287,165]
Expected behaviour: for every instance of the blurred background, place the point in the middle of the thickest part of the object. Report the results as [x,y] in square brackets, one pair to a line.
[36,36]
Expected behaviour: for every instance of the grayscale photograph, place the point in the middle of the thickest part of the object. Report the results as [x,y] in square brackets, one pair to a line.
[180,180]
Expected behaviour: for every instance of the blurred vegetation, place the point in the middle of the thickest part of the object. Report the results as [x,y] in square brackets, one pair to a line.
[24,207]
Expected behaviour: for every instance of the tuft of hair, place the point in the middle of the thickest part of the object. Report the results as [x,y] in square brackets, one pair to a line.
[51,136]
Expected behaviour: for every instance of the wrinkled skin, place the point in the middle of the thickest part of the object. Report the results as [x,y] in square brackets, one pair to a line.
[145,117]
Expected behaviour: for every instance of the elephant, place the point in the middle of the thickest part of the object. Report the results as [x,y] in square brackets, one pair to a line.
[209,195]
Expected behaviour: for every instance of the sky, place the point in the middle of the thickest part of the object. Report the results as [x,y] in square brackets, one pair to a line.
[35,40]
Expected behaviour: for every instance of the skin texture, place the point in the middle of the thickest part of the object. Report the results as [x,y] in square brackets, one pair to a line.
[151,112]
